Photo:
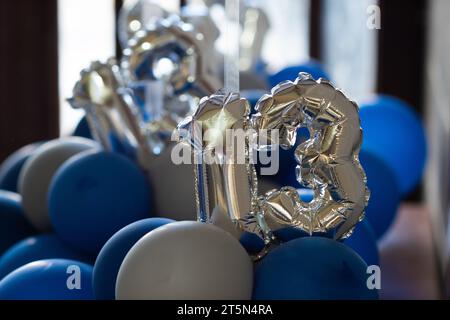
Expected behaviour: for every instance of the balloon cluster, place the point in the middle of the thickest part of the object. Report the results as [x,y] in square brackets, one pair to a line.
[108,215]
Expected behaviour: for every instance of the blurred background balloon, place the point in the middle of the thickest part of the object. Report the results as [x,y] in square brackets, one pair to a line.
[11,167]
[384,192]
[364,242]
[52,279]
[35,177]
[45,246]
[394,132]
[13,224]
[312,268]
[253,96]
[312,67]
[114,251]
[95,194]
[82,129]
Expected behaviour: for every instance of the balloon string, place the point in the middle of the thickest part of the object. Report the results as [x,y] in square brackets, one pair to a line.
[232,39]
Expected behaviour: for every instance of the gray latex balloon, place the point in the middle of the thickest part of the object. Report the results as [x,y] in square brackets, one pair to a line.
[186,260]
[172,190]
[37,173]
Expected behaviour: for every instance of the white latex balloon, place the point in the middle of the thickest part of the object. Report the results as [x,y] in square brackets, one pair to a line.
[36,175]
[172,187]
[186,260]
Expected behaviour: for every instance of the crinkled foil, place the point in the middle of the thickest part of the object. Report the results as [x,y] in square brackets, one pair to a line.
[327,162]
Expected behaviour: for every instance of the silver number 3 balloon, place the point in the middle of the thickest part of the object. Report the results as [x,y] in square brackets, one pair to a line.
[328,161]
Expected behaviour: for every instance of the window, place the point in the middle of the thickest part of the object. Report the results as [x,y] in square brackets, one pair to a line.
[349,46]
[86,33]
[285,43]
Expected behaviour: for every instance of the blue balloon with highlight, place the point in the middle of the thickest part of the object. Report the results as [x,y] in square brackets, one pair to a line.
[384,192]
[364,242]
[52,279]
[253,96]
[13,224]
[95,194]
[45,246]
[394,132]
[11,167]
[314,68]
[114,251]
[82,129]
[312,268]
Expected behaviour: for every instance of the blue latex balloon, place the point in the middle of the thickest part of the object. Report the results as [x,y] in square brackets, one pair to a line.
[11,167]
[251,242]
[285,175]
[114,251]
[394,132]
[384,192]
[312,268]
[314,68]
[364,242]
[13,224]
[118,146]
[46,246]
[95,194]
[82,129]
[53,279]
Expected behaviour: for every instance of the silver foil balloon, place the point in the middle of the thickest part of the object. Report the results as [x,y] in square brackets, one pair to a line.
[137,15]
[226,188]
[168,72]
[113,117]
[328,161]
[120,126]
[173,52]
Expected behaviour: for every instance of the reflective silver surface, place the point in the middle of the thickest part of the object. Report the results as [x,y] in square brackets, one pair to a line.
[226,188]
[171,51]
[114,119]
[328,161]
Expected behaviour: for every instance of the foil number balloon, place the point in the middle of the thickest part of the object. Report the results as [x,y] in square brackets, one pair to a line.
[112,116]
[225,187]
[169,59]
[328,161]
